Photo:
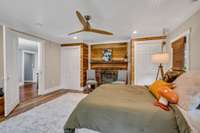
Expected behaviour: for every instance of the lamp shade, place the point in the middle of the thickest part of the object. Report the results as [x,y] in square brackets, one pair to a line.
[160,58]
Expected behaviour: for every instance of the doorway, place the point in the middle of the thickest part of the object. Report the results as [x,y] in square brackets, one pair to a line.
[145,70]
[70,67]
[28,60]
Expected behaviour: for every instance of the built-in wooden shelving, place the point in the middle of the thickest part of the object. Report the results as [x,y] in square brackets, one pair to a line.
[119,55]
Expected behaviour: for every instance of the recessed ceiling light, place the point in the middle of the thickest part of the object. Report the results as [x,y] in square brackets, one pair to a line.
[75,37]
[134,32]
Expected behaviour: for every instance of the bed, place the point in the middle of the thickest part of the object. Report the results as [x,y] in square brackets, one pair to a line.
[124,109]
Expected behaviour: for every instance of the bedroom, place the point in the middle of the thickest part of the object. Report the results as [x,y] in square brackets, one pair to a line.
[120,54]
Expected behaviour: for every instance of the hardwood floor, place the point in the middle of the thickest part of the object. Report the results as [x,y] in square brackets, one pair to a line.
[34,102]
[28,91]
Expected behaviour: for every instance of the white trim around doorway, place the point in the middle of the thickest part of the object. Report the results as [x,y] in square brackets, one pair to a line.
[24,52]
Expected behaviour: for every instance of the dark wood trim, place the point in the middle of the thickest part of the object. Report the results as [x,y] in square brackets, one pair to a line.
[111,62]
[71,44]
[111,43]
[150,38]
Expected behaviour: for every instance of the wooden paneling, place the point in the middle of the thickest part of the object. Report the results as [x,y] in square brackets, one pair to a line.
[83,61]
[150,38]
[84,64]
[178,47]
[132,68]
[119,52]
[71,44]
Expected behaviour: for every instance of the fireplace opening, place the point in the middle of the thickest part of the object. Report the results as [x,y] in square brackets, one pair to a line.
[108,77]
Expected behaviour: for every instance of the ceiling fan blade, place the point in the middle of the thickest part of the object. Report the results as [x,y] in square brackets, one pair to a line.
[81,19]
[100,31]
[75,32]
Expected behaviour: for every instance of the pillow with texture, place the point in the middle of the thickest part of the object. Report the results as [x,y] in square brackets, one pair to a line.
[170,76]
[154,88]
[188,90]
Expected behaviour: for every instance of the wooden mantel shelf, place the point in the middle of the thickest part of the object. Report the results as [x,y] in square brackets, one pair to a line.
[110,62]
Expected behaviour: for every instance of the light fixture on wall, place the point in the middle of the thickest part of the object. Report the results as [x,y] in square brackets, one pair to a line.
[160,59]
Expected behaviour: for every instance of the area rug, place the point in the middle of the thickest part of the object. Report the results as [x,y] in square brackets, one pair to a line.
[46,118]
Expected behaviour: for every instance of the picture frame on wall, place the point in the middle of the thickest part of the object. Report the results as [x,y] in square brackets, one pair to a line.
[107,55]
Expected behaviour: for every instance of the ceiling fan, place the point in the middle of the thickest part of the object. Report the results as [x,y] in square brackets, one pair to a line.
[84,20]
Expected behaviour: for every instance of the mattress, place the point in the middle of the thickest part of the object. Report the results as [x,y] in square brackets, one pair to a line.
[127,109]
[192,118]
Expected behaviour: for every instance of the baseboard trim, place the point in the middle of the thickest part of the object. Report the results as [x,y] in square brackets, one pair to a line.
[49,90]
[28,81]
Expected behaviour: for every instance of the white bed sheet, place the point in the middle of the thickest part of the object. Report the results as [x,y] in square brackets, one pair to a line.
[193,119]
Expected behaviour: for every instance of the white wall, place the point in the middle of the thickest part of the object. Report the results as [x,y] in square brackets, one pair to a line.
[52,66]
[193,23]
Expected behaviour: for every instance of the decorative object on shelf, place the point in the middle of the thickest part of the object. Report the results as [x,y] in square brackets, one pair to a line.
[107,55]
[160,58]
[126,58]
[1,92]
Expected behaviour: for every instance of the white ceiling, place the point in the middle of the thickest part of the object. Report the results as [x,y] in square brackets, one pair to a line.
[53,19]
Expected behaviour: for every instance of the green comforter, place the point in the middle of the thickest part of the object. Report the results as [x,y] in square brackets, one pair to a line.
[123,109]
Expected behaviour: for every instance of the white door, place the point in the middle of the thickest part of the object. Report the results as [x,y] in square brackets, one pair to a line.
[145,70]
[70,68]
[11,82]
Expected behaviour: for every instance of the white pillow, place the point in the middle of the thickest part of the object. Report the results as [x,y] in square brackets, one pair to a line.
[188,90]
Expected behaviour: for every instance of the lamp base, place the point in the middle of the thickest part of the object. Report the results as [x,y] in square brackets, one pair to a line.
[160,70]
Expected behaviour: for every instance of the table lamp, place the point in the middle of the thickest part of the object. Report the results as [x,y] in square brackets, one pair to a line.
[160,59]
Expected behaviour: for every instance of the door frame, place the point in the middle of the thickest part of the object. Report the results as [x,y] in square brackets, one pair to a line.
[62,69]
[145,42]
[41,61]
[23,53]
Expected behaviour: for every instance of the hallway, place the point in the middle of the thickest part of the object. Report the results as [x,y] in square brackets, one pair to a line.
[28,91]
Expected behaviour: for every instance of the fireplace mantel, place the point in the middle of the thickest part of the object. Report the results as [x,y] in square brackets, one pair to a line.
[112,65]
